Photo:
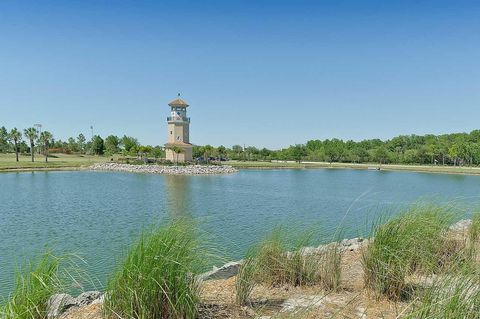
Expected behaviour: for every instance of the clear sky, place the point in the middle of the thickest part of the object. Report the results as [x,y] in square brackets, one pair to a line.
[264,73]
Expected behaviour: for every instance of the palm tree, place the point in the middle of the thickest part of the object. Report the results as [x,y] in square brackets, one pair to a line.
[177,150]
[31,134]
[15,136]
[46,137]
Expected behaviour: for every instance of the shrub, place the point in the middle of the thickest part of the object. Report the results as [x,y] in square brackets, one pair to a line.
[156,278]
[416,240]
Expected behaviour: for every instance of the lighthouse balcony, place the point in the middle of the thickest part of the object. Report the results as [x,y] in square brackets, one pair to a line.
[178,119]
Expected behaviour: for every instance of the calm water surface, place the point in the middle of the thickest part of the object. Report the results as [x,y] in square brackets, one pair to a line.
[98,214]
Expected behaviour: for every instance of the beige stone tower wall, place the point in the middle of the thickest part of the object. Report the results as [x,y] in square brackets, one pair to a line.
[178,133]
[185,156]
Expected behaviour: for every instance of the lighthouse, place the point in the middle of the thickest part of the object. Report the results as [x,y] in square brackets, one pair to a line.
[178,147]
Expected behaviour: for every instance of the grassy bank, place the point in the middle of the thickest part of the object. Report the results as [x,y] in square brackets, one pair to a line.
[387,167]
[55,162]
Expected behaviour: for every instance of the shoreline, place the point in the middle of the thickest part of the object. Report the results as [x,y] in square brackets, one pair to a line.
[468,171]
[472,171]
[221,279]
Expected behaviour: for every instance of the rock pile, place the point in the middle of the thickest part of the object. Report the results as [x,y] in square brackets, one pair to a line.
[172,170]
[59,303]
[231,269]
[461,225]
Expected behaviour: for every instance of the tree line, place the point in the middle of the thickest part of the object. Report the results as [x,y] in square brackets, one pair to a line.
[447,149]
[31,141]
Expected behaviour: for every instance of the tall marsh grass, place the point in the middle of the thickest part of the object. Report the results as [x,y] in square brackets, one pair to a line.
[474,230]
[453,296]
[277,261]
[156,278]
[244,281]
[416,240]
[35,282]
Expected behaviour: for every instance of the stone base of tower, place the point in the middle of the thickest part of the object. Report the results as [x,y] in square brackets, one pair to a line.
[182,157]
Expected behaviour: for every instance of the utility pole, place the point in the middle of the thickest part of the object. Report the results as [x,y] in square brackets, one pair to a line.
[91,128]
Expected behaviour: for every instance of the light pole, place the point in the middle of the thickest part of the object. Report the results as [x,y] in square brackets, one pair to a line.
[91,128]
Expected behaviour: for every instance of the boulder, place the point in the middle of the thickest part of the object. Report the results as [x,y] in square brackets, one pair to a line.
[224,272]
[58,304]
[461,225]
[87,298]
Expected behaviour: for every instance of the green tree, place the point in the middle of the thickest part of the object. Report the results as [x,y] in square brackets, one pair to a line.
[129,144]
[81,140]
[4,137]
[237,149]
[158,152]
[221,151]
[72,145]
[16,137]
[177,150]
[207,152]
[334,149]
[144,151]
[98,146]
[45,138]
[112,145]
[381,155]
[31,134]
[297,152]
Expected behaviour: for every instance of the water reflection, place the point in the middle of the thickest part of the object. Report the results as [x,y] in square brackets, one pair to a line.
[178,196]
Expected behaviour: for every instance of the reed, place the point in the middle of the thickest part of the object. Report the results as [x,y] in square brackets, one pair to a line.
[474,230]
[416,240]
[278,261]
[35,283]
[456,295]
[245,280]
[157,277]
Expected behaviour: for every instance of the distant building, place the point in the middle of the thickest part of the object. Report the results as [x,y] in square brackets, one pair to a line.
[178,132]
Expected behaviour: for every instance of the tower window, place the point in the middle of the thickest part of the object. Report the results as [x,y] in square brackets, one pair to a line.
[171,132]
[178,138]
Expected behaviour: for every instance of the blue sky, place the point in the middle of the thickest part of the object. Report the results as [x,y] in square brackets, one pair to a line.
[263,73]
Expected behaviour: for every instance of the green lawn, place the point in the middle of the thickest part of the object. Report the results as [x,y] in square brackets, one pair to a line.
[55,161]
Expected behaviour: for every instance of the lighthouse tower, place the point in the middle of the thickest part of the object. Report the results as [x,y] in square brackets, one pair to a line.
[178,132]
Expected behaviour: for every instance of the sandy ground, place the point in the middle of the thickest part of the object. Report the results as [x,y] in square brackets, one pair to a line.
[351,301]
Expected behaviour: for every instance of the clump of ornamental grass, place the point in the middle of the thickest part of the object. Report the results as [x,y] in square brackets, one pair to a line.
[35,283]
[280,262]
[452,296]
[473,238]
[244,281]
[474,229]
[275,262]
[330,267]
[416,240]
[157,277]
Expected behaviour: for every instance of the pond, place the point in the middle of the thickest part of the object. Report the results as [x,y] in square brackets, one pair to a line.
[98,214]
